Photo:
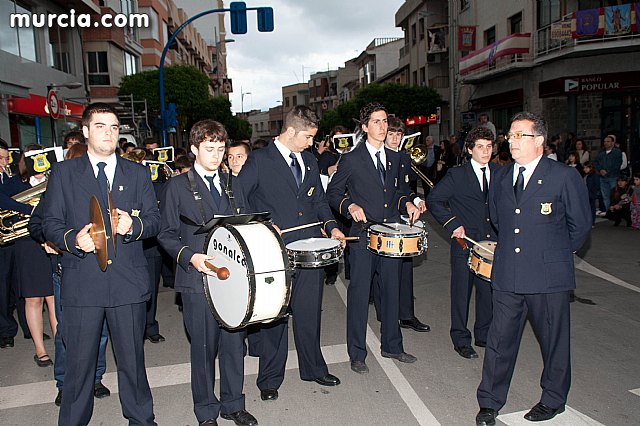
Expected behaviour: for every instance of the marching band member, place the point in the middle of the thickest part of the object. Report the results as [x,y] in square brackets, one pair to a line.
[541,211]
[408,318]
[284,179]
[371,176]
[459,202]
[192,194]
[88,294]
[237,155]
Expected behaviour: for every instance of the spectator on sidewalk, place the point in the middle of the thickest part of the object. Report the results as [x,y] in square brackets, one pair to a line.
[592,180]
[581,150]
[608,165]
[573,161]
[635,202]
[619,201]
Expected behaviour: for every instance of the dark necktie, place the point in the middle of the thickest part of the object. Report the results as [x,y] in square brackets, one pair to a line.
[103,184]
[518,188]
[485,183]
[214,191]
[296,169]
[381,171]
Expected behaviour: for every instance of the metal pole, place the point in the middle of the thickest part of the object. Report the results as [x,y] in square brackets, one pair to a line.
[452,67]
[52,122]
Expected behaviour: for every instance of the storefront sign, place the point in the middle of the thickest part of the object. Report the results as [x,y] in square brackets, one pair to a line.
[612,82]
[37,105]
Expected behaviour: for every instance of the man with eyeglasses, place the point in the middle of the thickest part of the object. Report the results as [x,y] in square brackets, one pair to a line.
[541,211]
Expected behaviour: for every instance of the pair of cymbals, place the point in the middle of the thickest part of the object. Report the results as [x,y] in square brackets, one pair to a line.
[98,231]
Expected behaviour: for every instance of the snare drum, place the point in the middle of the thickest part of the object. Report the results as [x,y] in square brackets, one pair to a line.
[314,252]
[481,261]
[397,240]
[259,284]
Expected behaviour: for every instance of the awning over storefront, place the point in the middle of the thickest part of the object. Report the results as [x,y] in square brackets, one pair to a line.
[37,105]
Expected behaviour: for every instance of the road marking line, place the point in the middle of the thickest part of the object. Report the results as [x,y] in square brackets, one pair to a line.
[635,391]
[570,417]
[165,375]
[585,266]
[409,396]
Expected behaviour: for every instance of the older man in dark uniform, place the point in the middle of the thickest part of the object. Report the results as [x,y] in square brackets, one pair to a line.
[541,210]
[284,179]
[198,195]
[371,176]
[88,294]
[459,202]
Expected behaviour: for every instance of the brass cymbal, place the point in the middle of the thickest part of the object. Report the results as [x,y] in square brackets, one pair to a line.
[98,233]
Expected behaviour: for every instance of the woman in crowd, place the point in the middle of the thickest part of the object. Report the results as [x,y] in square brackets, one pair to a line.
[572,161]
[581,150]
[635,202]
[620,202]
[592,180]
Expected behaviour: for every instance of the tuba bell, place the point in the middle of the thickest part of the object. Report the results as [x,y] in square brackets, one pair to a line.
[13,225]
[418,156]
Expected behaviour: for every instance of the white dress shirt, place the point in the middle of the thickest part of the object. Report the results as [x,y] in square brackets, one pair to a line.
[477,170]
[204,173]
[372,153]
[529,168]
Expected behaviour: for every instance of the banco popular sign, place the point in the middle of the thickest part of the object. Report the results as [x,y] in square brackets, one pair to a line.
[612,82]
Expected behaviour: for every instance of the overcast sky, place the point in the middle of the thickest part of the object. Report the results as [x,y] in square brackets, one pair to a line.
[308,33]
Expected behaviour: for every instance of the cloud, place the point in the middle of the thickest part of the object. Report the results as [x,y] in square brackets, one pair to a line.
[309,36]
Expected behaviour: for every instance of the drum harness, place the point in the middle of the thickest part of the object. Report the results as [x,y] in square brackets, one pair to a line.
[198,198]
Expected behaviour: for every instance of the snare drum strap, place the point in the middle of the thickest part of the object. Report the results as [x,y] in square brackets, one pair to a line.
[229,191]
[196,195]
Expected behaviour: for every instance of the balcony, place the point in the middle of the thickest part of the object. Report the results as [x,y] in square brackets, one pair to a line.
[502,57]
[552,42]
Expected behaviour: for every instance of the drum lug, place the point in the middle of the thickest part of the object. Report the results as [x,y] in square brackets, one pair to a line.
[401,245]
[379,242]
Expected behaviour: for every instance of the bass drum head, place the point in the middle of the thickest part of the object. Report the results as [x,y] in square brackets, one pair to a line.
[229,299]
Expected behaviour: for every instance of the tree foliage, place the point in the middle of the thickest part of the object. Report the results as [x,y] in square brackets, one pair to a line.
[399,99]
[188,88]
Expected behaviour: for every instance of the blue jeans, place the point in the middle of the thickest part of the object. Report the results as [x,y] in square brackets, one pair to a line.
[606,185]
[59,367]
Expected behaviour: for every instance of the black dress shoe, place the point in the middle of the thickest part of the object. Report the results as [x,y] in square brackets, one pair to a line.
[415,324]
[402,357]
[58,400]
[210,422]
[155,338]
[486,417]
[100,390]
[481,343]
[43,361]
[541,412]
[359,367]
[241,418]
[466,352]
[330,279]
[6,342]
[269,394]
[326,380]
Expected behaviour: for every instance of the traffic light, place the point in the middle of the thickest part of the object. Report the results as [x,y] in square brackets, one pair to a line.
[265,19]
[239,17]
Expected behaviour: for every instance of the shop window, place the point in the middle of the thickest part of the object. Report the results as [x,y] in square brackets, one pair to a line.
[98,69]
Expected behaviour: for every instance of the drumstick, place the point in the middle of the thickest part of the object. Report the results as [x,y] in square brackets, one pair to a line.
[477,244]
[297,228]
[221,273]
[348,238]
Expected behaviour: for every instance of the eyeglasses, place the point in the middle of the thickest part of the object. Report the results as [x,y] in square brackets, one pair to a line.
[516,136]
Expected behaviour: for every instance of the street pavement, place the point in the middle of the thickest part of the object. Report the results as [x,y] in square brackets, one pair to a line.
[439,388]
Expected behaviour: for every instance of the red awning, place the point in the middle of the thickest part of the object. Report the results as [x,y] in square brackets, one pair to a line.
[37,105]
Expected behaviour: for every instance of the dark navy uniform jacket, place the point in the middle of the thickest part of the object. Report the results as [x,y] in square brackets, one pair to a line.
[70,187]
[538,235]
[457,200]
[357,181]
[269,185]
[177,237]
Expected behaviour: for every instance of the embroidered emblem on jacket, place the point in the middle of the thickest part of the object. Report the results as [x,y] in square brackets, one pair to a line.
[545,208]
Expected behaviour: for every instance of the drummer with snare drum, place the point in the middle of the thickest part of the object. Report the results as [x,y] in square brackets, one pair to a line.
[284,180]
[371,176]
[459,203]
[191,200]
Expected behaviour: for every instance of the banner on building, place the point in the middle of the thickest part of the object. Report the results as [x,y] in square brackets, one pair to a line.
[588,23]
[617,19]
[519,43]
[561,30]
[467,38]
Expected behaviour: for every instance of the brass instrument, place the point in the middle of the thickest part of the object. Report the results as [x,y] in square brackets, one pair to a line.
[418,156]
[136,155]
[13,225]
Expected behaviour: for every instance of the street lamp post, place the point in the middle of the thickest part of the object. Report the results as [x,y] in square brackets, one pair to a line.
[52,122]
[242,100]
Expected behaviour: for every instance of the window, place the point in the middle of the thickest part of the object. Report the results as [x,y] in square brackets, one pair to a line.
[549,11]
[98,69]
[413,34]
[490,36]
[515,23]
[415,78]
[423,76]
[464,4]
[17,41]
[59,48]
[153,31]
[286,102]
[130,64]
[295,100]
[421,28]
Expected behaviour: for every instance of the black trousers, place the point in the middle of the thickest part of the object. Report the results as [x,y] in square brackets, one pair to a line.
[154,265]
[549,314]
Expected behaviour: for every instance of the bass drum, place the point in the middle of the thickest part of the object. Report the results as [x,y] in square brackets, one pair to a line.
[259,284]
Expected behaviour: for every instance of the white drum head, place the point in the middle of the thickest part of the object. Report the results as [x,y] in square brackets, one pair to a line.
[484,254]
[417,223]
[313,244]
[396,229]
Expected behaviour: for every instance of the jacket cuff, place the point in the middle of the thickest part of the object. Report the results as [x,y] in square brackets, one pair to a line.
[184,257]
